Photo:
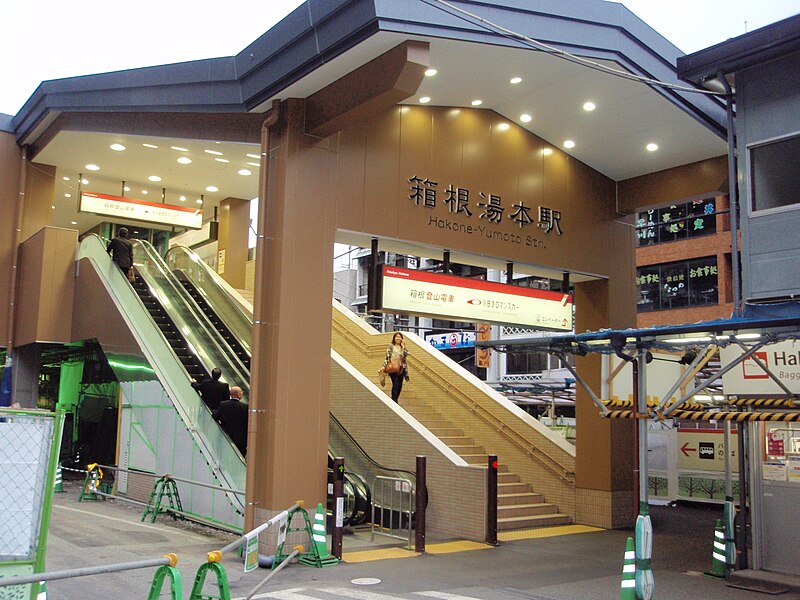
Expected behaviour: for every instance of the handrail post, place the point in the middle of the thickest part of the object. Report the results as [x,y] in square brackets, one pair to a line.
[491,501]
[421,504]
[338,507]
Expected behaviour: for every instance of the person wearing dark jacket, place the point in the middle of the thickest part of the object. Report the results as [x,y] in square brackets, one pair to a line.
[121,250]
[213,391]
[232,417]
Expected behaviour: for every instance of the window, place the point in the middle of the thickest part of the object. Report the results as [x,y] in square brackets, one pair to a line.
[677,285]
[774,176]
[522,363]
[676,222]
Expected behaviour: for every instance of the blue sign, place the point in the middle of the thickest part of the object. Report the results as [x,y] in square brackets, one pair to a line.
[451,341]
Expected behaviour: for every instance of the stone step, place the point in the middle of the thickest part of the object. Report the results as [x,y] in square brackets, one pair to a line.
[476,459]
[445,431]
[520,498]
[434,423]
[456,440]
[466,450]
[512,488]
[507,477]
[509,523]
[525,510]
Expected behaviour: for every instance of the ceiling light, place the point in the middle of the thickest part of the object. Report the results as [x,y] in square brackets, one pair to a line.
[185,160]
[651,147]
[516,80]
[477,102]
[525,118]
[145,192]
[424,99]
[117,147]
[182,198]
[85,181]
[256,156]
[431,72]
[589,106]
[503,126]
[74,222]
[179,149]
[222,160]
[67,195]
[748,336]
[215,152]
[547,151]
[53,206]
[65,178]
[212,188]
[199,200]
[245,172]
[127,189]
[257,165]
[149,145]
[569,144]
[92,167]
[154,178]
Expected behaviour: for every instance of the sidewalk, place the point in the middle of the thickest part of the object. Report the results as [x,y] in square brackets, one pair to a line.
[579,566]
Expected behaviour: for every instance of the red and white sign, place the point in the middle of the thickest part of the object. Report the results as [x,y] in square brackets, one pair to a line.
[460,299]
[141,210]
[776,446]
[781,358]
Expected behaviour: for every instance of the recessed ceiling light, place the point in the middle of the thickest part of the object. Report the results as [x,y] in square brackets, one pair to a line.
[182,198]
[149,145]
[424,99]
[589,106]
[185,160]
[65,178]
[516,80]
[476,102]
[179,149]
[67,195]
[215,152]
[85,181]
[199,201]
[117,147]
[74,222]
[651,147]
[503,126]
[547,151]
[431,72]
[212,188]
[145,192]
[569,144]
[222,160]
[53,206]
[154,178]
[256,156]
[254,164]
[525,118]
[245,172]
[92,167]
[127,189]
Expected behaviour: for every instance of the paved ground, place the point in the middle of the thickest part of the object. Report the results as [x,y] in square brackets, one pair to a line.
[579,566]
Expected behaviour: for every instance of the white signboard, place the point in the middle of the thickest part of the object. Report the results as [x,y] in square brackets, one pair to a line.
[782,359]
[141,210]
[460,299]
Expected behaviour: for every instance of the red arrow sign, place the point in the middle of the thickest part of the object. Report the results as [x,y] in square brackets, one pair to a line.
[685,449]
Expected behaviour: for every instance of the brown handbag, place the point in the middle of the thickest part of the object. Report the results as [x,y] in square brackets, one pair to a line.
[394,366]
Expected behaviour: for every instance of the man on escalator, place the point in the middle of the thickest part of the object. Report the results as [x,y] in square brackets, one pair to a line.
[213,391]
[121,251]
[232,417]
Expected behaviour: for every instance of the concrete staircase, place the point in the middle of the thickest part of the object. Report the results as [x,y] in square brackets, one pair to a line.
[518,506]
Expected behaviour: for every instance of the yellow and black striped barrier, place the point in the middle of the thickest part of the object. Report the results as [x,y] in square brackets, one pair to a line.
[628,404]
[786,402]
[691,415]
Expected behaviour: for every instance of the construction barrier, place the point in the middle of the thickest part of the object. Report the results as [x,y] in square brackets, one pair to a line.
[787,402]
[627,589]
[718,559]
[94,476]
[319,556]
[689,415]
[58,482]
[164,488]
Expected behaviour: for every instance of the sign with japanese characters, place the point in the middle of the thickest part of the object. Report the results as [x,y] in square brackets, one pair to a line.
[452,340]
[482,214]
[704,450]
[782,359]
[141,210]
[461,299]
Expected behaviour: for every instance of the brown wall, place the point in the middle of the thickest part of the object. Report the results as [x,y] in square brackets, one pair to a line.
[45,287]
[234,224]
[39,196]
[10,160]
[481,152]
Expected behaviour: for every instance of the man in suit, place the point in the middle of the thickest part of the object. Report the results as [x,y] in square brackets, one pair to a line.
[213,391]
[121,250]
[232,417]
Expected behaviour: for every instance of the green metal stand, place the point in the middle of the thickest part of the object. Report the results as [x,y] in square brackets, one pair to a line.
[200,578]
[163,488]
[176,585]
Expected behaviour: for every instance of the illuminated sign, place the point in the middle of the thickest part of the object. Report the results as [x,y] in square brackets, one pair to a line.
[781,358]
[140,210]
[451,341]
[460,299]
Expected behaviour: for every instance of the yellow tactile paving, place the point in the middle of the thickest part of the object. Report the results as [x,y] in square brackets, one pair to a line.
[458,546]
[544,532]
[379,554]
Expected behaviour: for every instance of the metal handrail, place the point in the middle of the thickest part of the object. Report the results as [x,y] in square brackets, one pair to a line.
[181,479]
[493,421]
[169,560]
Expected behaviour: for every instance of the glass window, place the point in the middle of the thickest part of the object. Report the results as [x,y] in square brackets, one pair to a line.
[522,363]
[774,176]
[677,285]
[676,222]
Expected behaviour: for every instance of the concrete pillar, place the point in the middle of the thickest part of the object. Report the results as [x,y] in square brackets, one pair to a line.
[25,375]
[234,221]
[290,372]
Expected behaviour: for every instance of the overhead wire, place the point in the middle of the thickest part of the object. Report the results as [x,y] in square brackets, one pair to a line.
[563,54]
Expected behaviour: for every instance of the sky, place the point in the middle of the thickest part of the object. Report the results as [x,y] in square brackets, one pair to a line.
[52,39]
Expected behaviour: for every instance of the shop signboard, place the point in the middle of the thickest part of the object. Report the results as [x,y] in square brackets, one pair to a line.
[460,299]
[483,332]
[782,359]
[452,340]
[704,450]
[141,210]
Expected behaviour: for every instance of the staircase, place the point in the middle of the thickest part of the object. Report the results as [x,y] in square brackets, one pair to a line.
[430,399]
